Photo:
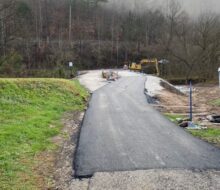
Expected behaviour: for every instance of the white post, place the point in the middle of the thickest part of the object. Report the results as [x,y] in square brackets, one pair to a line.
[70,64]
[219,75]
[71,69]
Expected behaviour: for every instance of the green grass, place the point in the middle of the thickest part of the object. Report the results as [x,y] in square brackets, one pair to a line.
[215,102]
[28,110]
[173,117]
[211,135]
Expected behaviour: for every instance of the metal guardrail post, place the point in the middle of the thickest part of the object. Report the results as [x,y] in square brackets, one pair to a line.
[190,101]
[219,75]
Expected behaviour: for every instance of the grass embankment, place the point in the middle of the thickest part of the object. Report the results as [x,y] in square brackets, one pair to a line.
[30,114]
[173,117]
[211,134]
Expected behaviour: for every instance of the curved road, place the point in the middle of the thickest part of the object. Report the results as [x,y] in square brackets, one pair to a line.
[122,132]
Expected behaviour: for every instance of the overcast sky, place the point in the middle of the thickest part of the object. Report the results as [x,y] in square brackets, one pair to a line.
[194,7]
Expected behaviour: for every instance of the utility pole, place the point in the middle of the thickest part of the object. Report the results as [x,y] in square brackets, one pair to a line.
[190,101]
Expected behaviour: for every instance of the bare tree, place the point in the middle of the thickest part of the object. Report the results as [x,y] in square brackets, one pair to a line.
[207,40]
[7,11]
[70,20]
[174,12]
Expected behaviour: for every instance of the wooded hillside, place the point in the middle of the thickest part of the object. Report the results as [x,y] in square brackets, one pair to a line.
[39,38]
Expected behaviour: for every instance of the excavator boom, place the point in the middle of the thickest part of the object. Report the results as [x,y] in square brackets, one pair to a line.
[150,65]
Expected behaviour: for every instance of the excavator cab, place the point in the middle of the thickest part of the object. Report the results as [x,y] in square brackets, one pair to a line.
[135,67]
[149,66]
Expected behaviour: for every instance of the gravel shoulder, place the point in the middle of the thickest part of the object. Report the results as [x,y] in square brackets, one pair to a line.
[92,80]
[156,180]
[67,142]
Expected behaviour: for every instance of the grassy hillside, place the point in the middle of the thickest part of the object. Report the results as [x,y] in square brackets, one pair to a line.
[30,113]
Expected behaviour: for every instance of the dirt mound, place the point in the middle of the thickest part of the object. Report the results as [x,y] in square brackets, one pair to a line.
[170,87]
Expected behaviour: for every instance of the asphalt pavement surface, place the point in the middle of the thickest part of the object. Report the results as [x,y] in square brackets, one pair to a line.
[122,132]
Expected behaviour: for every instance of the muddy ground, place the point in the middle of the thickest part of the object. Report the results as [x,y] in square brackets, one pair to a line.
[203,95]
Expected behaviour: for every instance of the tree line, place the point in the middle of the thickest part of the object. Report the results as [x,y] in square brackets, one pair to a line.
[39,38]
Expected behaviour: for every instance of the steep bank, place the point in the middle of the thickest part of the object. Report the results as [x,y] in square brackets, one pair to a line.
[30,115]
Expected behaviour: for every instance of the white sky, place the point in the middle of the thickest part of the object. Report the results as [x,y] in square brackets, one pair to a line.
[194,7]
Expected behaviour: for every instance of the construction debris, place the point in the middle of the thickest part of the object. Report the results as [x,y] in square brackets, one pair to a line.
[125,67]
[214,118]
[184,124]
[192,126]
[110,75]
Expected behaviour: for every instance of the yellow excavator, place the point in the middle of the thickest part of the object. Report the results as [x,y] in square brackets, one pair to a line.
[150,66]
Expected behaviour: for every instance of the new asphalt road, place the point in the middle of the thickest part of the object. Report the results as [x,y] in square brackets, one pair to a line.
[122,132]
